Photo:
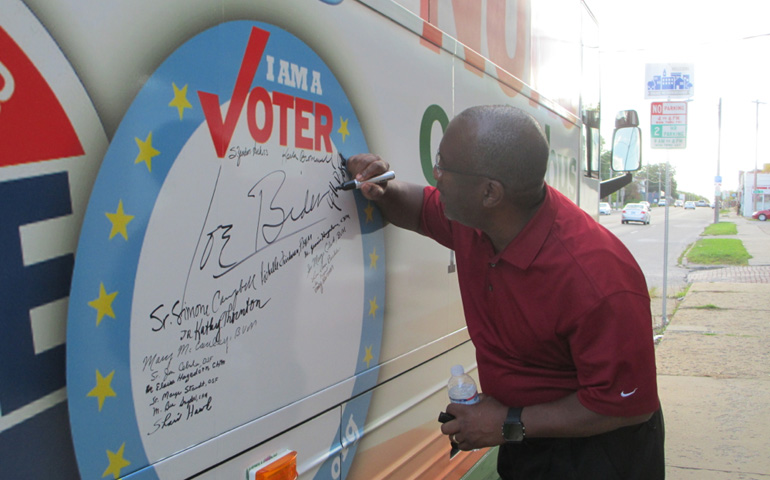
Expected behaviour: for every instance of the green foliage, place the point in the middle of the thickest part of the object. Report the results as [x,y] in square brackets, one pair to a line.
[683,293]
[653,179]
[721,228]
[718,251]
[709,306]
[605,164]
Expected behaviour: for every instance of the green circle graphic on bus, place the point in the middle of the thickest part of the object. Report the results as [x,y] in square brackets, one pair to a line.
[221,275]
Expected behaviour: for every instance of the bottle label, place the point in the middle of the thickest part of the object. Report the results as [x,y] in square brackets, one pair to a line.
[466,401]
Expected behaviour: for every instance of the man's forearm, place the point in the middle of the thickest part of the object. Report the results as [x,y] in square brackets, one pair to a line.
[568,417]
[480,425]
[401,204]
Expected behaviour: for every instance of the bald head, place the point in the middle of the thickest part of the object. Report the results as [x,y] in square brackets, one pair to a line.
[508,145]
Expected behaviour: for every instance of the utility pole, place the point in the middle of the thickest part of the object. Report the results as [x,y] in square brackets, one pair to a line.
[756,156]
[717,189]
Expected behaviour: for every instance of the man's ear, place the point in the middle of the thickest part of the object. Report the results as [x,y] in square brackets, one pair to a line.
[494,193]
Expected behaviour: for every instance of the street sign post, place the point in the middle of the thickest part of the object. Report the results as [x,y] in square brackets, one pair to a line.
[668,124]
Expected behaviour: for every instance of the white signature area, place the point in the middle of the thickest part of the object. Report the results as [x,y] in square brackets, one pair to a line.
[249,289]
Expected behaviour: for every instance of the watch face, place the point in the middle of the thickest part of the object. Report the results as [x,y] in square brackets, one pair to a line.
[513,432]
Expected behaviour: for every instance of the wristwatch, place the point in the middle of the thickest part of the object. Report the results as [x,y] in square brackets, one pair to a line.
[513,429]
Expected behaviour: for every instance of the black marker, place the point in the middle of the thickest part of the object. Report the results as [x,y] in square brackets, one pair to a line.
[444,417]
[355,184]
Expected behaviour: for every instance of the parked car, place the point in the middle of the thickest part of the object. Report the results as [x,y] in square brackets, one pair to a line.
[604,208]
[689,205]
[761,215]
[635,212]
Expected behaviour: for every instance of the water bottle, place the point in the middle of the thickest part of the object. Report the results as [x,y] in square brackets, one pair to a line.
[462,388]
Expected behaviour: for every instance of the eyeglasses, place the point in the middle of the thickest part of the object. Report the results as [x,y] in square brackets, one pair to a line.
[438,170]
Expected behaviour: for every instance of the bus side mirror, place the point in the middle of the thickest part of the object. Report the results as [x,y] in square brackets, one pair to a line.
[627,142]
[626,151]
[626,118]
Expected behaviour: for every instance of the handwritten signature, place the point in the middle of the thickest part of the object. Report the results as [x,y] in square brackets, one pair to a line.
[275,221]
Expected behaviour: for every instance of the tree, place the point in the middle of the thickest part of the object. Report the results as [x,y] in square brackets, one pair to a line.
[651,181]
[605,165]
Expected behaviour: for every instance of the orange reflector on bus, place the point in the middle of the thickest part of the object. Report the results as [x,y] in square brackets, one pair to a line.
[282,466]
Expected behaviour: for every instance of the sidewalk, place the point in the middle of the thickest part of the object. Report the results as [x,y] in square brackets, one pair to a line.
[714,369]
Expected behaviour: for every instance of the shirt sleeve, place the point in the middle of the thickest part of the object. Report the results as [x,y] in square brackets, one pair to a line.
[614,352]
[433,222]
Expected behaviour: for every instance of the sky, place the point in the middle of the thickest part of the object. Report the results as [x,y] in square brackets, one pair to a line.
[728,43]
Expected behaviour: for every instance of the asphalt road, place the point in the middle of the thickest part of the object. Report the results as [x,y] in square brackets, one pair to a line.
[646,242]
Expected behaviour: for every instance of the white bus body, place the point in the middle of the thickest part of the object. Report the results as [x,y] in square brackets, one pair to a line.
[139,139]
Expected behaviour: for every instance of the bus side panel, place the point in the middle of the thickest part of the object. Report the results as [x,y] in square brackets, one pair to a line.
[407,67]
[399,89]
[313,453]
[401,438]
[51,146]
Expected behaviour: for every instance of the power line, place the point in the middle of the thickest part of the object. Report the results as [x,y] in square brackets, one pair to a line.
[719,42]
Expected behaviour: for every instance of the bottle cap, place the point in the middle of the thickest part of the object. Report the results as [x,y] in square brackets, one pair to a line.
[457,370]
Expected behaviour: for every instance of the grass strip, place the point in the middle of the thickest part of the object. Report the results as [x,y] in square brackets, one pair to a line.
[721,228]
[710,306]
[718,251]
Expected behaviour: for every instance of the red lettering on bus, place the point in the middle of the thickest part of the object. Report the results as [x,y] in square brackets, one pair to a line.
[323,130]
[301,123]
[431,36]
[468,24]
[303,109]
[222,130]
[469,18]
[284,102]
[260,95]
[516,65]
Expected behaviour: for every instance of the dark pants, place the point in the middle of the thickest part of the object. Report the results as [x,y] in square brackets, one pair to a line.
[629,453]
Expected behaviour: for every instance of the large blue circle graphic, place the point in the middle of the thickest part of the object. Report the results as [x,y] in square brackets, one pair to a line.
[217,257]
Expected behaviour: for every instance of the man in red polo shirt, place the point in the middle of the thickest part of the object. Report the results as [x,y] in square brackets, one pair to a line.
[556,306]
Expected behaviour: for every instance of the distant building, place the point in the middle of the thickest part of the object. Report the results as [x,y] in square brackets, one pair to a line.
[754,196]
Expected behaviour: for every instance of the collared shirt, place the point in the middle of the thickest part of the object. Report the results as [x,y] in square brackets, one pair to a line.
[563,308]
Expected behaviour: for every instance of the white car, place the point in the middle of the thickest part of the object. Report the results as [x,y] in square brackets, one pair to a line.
[689,205]
[604,208]
[635,212]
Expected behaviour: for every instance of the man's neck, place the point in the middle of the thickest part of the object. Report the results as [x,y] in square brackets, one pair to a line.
[507,225]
